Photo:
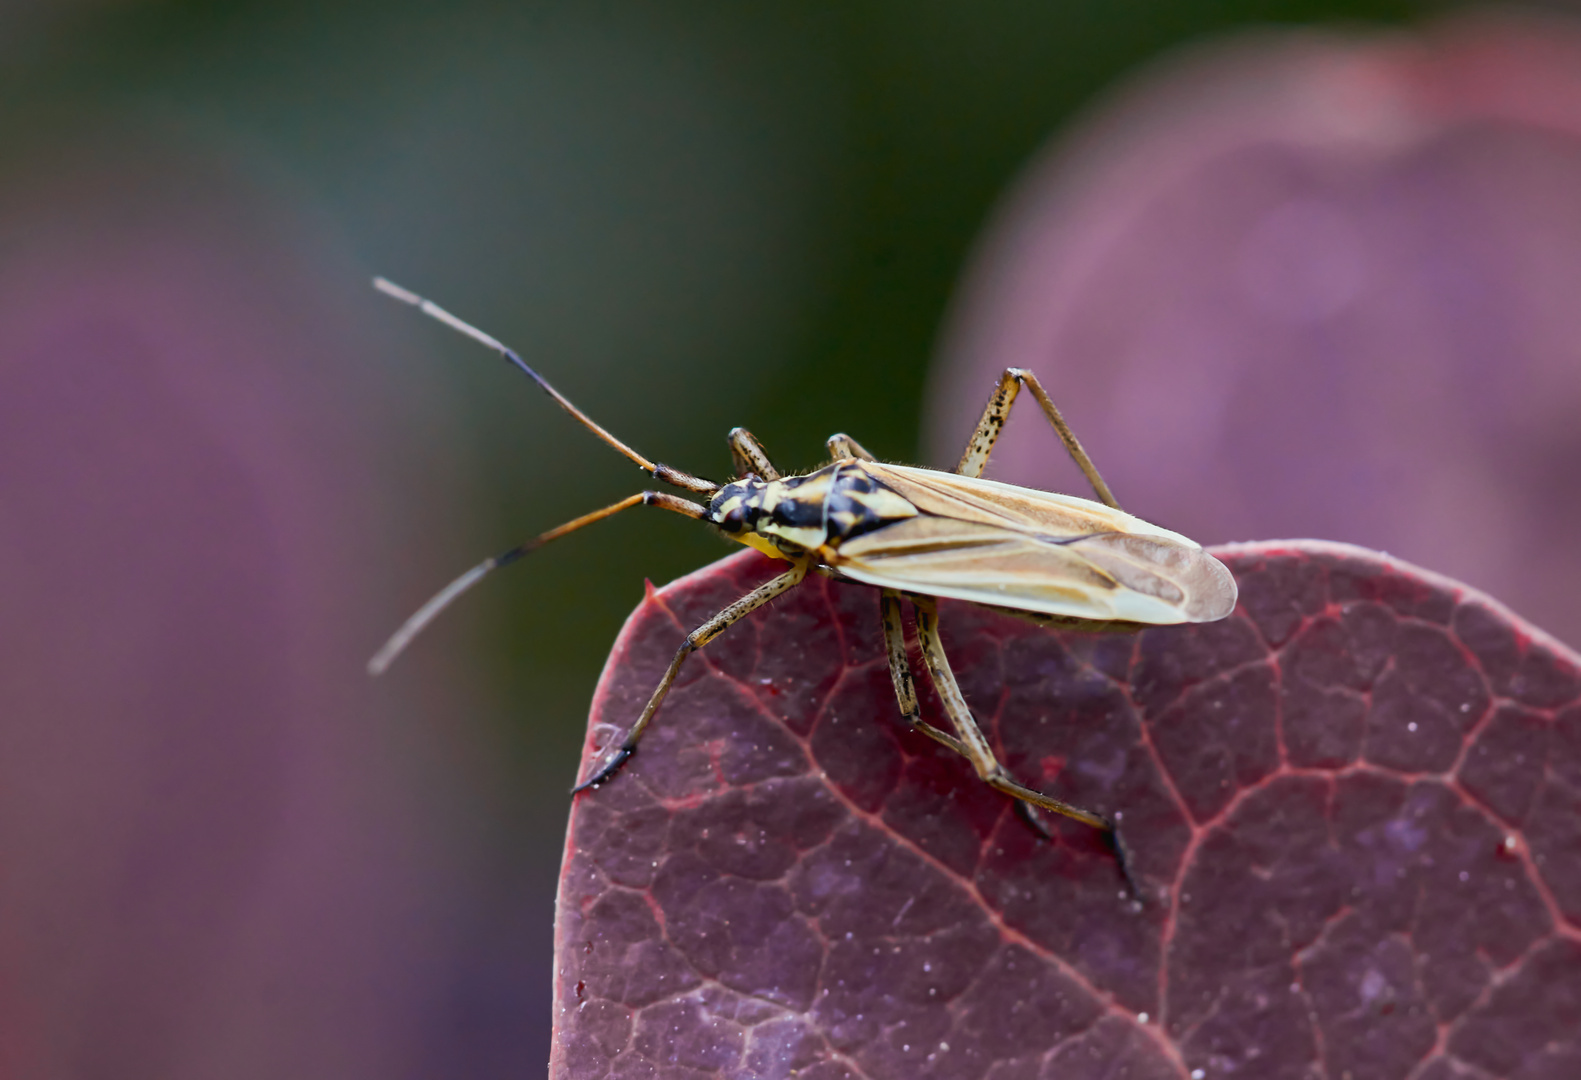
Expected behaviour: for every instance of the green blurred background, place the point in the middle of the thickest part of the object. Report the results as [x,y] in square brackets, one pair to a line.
[689,216]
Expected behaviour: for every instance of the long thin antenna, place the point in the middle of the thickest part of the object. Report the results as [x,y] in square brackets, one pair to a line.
[425,615]
[434,311]
[446,596]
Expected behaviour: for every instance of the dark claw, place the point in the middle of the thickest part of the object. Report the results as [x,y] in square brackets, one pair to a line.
[1122,855]
[609,769]
[1028,813]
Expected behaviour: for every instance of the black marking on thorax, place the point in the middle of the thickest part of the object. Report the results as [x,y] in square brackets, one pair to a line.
[800,513]
[859,504]
[794,510]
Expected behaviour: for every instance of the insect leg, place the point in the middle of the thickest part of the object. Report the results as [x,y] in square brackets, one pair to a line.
[441,600]
[843,446]
[997,411]
[749,455]
[906,693]
[974,742]
[694,641]
[900,672]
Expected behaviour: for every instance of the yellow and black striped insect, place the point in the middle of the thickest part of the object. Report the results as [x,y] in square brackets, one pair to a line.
[915,534]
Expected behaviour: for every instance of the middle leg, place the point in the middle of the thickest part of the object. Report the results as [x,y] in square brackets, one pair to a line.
[900,673]
[843,446]
[974,744]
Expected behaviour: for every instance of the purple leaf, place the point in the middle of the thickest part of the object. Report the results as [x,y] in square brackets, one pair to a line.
[1355,804]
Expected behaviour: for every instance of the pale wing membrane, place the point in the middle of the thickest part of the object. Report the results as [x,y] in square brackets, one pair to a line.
[1039,512]
[988,565]
[1199,586]
[1009,547]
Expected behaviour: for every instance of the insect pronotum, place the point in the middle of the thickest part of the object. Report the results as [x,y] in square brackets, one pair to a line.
[915,534]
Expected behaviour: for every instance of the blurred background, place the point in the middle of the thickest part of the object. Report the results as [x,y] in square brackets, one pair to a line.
[1301,268]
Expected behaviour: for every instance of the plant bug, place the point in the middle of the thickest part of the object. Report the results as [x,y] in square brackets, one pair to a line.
[916,535]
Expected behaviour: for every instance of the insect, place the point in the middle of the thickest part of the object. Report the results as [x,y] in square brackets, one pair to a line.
[916,535]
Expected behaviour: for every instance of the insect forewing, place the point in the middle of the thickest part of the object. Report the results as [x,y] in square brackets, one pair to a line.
[996,544]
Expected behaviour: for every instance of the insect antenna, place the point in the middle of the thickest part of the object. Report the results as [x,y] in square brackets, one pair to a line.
[657,471]
[425,615]
[446,596]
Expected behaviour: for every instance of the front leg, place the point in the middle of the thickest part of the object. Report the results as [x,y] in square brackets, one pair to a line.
[694,641]
[749,456]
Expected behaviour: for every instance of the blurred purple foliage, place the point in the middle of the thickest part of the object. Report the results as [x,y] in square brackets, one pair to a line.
[214,859]
[1308,285]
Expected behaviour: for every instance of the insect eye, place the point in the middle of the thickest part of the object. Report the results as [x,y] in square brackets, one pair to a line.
[734,520]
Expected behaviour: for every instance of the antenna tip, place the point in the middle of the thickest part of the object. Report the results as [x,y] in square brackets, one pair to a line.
[386,655]
[390,288]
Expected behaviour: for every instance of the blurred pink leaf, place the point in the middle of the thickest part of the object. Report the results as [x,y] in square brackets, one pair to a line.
[218,858]
[1357,803]
[1301,284]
